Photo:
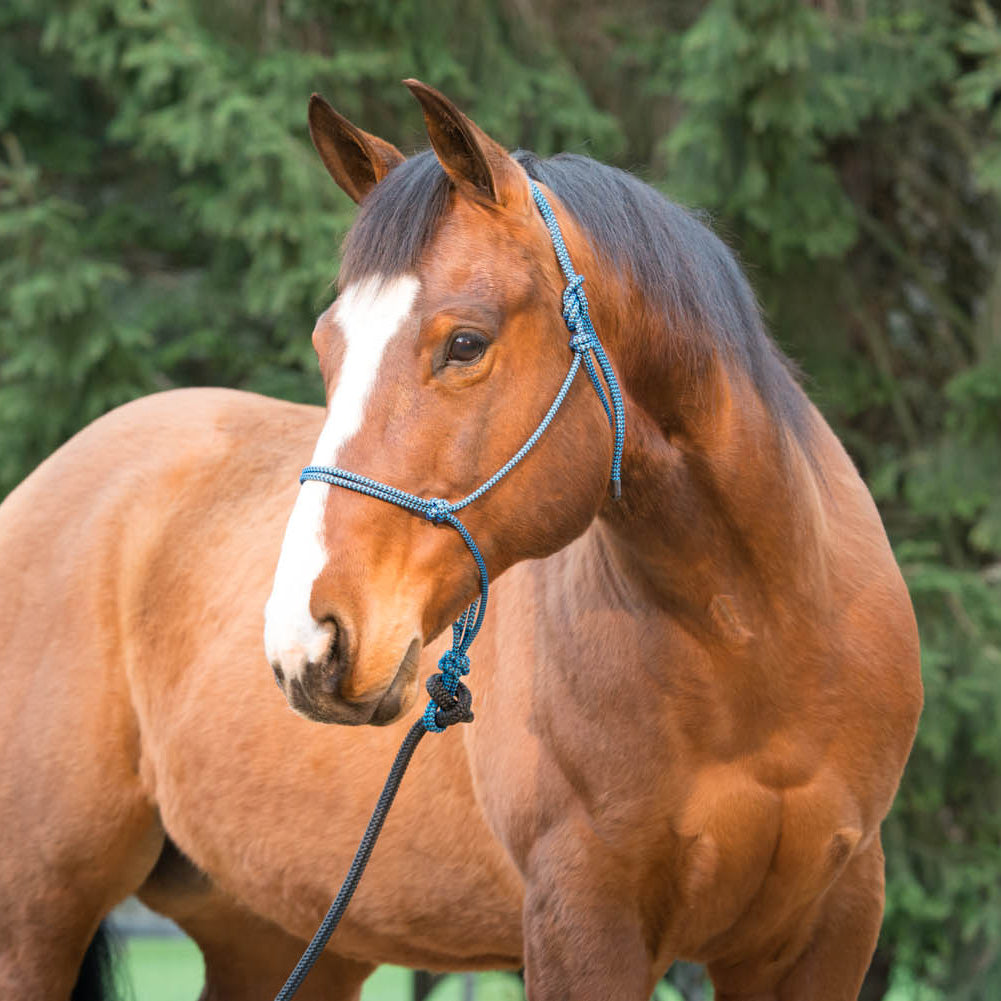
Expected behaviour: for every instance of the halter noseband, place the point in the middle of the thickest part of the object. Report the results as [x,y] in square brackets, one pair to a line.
[450,699]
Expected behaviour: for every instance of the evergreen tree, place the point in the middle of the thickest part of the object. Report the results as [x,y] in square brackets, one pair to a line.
[164,221]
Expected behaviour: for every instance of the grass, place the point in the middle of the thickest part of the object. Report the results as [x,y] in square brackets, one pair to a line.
[171,969]
[164,969]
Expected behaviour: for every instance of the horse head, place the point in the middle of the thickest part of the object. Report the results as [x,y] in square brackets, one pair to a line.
[439,356]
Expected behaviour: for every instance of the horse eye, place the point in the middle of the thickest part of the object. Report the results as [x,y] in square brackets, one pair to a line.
[466,346]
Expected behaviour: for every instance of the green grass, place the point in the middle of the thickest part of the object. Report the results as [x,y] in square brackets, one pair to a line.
[171,969]
[389,983]
[164,969]
[489,987]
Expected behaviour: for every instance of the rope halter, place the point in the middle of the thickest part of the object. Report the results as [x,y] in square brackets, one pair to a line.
[450,698]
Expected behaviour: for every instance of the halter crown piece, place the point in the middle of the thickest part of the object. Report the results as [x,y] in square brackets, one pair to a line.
[450,698]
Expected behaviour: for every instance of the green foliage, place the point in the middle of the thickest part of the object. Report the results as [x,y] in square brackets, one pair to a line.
[164,221]
[64,359]
[161,198]
[767,85]
[980,40]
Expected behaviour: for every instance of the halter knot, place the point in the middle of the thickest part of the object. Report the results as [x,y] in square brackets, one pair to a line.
[447,707]
[437,510]
[453,662]
[584,340]
[574,303]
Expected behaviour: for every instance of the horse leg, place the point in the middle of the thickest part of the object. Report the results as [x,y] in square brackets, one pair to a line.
[842,942]
[248,959]
[835,963]
[59,879]
[583,939]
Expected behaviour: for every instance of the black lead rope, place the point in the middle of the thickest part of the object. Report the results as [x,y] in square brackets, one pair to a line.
[346,892]
[451,709]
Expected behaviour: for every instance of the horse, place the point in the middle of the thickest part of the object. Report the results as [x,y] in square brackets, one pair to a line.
[693,703]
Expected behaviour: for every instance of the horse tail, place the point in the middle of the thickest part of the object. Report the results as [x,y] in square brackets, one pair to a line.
[97,979]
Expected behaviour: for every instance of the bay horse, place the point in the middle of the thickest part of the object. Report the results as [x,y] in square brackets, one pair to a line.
[693,703]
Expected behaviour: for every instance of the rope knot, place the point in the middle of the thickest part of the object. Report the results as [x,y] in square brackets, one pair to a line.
[438,509]
[454,663]
[574,303]
[583,340]
[446,707]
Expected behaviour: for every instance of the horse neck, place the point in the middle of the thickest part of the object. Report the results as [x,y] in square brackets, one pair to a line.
[721,510]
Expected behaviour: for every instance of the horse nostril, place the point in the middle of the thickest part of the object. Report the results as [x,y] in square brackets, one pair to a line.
[335,649]
[329,672]
[279,675]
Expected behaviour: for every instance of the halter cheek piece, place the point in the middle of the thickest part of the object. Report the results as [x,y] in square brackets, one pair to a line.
[450,699]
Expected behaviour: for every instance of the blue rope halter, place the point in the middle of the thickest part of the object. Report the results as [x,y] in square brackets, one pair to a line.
[446,688]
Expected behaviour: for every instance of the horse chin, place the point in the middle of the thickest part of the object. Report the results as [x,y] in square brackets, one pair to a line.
[402,692]
[398,697]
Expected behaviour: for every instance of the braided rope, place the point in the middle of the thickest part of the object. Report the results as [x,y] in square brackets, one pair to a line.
[346,892]
[578,321]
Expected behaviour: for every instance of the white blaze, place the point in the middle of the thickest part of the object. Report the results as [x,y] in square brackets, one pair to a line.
[369,314]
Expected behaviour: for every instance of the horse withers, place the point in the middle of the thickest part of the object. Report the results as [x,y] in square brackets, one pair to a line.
[693,704]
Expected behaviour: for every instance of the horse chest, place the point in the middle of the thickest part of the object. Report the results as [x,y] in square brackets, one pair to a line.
[702,852]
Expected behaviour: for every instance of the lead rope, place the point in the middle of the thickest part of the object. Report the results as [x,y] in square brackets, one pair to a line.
[451,700]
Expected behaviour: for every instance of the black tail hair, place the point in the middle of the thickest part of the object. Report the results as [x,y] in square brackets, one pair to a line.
[98,979]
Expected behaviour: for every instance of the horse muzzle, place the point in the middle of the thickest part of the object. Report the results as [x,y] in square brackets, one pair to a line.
[331,690]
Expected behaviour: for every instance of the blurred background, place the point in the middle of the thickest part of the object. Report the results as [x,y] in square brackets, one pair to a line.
[165,222]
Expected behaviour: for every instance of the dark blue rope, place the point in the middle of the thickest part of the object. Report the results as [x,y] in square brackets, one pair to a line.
[584,343]
[578,321]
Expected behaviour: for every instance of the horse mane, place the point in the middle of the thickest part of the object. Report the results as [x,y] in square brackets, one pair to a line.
[677,263]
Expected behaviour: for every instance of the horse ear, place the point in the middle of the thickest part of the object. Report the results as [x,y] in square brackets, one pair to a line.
[356,160]
[470,157]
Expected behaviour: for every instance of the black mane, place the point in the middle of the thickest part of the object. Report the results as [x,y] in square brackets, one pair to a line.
[680,265]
